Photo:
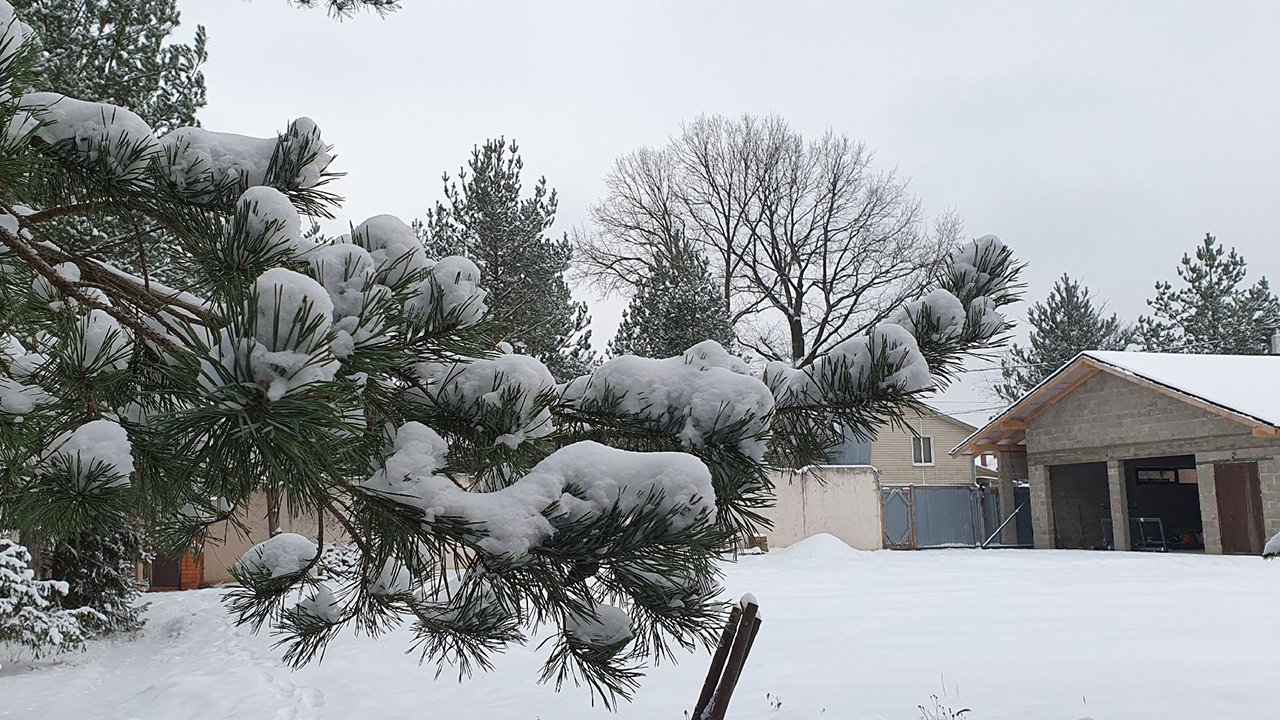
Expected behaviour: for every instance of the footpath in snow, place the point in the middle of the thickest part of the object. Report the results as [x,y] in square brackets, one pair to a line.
[847,635]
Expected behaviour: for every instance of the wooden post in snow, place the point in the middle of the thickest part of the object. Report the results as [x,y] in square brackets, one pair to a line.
[729,659]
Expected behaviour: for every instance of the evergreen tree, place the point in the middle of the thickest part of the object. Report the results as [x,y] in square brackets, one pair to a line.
[98,569]
[356,379]
[484,218]
[30,616]
[1065,324]
[346,8]
[676,308]
[119,51]
[1214,313]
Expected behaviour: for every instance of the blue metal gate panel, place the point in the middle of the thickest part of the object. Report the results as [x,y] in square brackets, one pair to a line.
[895,514]
[947,515]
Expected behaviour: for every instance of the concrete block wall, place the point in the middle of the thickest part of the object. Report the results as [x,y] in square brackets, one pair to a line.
[1269,479]
[1118,489]
[1208,507]
[1109,417]
[1041,507]
[841,501]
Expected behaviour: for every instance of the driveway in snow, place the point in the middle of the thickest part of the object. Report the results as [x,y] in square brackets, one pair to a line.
[1011,635]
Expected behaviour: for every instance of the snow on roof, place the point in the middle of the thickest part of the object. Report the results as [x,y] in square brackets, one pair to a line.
[1242,385]
[1246,384]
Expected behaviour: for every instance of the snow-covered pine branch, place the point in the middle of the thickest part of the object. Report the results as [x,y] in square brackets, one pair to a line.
[355,380]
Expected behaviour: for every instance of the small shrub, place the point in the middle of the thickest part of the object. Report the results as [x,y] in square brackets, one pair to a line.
[30,616]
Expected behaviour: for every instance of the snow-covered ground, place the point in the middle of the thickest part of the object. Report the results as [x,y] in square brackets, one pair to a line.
[1013,635]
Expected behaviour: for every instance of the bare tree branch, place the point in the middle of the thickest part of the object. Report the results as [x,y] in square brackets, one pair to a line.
[804,236]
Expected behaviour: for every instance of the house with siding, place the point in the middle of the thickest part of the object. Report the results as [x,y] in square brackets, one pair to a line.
[1145,451]
[915,454]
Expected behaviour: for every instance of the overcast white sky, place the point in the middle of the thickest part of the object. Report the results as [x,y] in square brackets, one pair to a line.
[1100,139]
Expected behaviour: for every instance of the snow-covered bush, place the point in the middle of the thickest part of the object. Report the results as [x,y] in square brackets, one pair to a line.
[355,379]
[30,616]
[98,570]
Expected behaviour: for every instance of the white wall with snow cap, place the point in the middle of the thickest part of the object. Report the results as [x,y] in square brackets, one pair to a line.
[839,501]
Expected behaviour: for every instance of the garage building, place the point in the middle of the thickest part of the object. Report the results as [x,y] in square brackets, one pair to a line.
[1145,451]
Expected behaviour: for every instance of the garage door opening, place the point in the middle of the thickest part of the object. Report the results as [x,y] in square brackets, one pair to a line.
[1164,503]
[1081,501]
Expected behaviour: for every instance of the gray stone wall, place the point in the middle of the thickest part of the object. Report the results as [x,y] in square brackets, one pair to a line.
[1109,417]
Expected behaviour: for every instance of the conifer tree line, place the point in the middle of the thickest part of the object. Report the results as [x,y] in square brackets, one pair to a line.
[1210,309]
[377,383]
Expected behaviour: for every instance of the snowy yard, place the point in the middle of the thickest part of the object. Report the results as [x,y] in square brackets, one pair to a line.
[1013,635]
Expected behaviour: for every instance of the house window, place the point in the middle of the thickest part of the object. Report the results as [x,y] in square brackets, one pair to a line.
[922,450]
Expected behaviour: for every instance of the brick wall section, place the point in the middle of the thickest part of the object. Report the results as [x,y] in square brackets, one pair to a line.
[191,572]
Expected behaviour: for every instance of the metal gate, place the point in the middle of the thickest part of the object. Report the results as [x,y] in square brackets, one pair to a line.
[896,512]
[924,516]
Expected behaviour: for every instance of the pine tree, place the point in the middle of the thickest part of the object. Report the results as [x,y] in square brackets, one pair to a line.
[485,219]
[1065,324]
[30,616]
[356,377]
[676,308]
[1214,313]
[119,51]
[346,8]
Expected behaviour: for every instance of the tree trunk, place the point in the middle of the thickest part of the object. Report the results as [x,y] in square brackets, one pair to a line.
[797,339]
[273,512]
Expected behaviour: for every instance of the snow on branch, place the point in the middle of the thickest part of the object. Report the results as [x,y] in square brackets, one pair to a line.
[697,396]
[576,484]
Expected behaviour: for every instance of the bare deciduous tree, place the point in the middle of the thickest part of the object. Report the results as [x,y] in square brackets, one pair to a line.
[809,242]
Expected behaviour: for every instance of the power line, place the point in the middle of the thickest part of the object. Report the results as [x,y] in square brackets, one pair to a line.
[1171,349]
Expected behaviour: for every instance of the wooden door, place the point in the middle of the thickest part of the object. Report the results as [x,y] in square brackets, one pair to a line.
[166,574]
[1239,507]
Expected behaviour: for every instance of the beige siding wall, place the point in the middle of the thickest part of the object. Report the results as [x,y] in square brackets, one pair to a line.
[891,454]
[839,501]
[226,545]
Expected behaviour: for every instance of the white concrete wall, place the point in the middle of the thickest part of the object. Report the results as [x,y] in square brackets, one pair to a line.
[837,500]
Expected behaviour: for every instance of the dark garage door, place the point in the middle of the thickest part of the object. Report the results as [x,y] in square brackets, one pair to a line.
[1239,507]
